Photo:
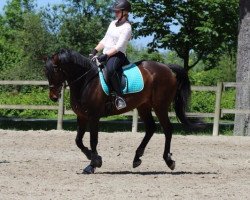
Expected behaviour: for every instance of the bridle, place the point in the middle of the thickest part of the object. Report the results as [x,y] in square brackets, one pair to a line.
[57,69]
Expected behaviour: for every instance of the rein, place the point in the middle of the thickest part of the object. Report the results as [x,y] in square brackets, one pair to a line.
[86,73]
[79,78]
[87,80]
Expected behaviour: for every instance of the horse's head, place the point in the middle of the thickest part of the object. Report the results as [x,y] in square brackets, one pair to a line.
[55,76]
[67,65]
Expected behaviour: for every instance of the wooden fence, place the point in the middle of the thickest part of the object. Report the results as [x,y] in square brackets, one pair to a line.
[62,110]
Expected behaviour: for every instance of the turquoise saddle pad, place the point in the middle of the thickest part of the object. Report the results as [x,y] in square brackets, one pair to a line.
[134,80]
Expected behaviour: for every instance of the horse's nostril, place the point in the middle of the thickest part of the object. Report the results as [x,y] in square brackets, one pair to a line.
[54,98]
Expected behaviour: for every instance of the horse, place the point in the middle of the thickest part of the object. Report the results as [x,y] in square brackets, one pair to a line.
[163,84]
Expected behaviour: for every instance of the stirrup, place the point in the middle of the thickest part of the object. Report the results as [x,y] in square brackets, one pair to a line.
[120,103]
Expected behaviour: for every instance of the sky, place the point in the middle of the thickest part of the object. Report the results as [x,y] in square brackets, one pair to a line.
[140,43]
[39,2]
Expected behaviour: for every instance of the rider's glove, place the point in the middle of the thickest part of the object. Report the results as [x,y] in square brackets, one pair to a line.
[102,58]
[93,53]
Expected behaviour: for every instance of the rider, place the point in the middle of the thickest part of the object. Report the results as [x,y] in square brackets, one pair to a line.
[114,46]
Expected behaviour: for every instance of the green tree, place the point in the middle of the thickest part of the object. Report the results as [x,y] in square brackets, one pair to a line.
[14,11]
[26,35]
[23,40]
[207,27]
[34,41]
[136,54]
[78,25]
[11,24]
[173,58]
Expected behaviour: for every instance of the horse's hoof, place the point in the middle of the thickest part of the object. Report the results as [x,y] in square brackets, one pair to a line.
[89,170]
[137,163]
[171,165]
[96,161]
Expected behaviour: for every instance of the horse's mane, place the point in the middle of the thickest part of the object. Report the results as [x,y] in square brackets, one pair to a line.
[69,56]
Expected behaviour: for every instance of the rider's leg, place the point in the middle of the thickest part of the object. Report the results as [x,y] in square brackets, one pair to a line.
[114,70]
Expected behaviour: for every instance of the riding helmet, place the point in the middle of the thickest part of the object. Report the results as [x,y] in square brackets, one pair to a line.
[123,5]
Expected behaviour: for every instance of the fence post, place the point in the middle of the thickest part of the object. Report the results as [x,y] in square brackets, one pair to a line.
[217,110]
[135,121]
[60,110]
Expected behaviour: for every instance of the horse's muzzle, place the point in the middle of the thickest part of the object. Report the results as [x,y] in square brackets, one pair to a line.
[53,96]
[55,99]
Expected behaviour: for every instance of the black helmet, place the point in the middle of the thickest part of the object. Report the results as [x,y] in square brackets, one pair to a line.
[122,5]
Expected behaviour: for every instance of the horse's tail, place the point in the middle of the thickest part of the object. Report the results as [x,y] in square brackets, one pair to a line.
[182,97]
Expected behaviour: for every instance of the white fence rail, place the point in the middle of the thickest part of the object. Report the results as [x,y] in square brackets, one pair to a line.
[219,112]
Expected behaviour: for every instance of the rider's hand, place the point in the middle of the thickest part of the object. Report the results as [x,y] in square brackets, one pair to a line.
[93,53]
[102,58]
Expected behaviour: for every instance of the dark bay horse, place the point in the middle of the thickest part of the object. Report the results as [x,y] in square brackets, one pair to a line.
[163,84]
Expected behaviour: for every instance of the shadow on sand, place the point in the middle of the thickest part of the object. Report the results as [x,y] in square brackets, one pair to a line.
[150,173]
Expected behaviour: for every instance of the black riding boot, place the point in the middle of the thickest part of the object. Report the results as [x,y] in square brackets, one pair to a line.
[116,84]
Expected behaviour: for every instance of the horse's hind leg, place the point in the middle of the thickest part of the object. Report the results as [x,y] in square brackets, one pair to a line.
[167,128]
[81,128]
[146,116]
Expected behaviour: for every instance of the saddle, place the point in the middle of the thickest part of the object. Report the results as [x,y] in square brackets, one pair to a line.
[131,80]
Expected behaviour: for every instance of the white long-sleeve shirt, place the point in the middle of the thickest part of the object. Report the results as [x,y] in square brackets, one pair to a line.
[117,37]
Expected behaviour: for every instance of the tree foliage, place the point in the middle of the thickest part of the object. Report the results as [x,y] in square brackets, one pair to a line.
[136,54]
[78,24]
[207,27]
[27,35]
[12,23]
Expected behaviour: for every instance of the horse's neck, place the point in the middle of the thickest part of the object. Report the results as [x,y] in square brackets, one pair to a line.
[79,87]
[78,78]
[80,96]
[75,95]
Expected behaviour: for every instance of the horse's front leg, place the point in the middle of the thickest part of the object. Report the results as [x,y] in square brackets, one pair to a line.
[81,128]
[96,160]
